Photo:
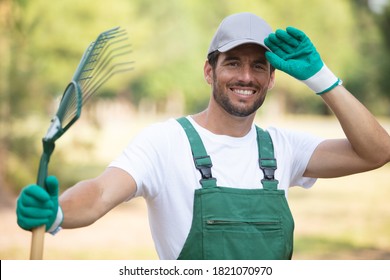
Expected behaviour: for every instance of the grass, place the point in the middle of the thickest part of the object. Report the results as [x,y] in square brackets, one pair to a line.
[347,217]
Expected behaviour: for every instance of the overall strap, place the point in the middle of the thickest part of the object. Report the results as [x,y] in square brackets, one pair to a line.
[201,159]
[267,161]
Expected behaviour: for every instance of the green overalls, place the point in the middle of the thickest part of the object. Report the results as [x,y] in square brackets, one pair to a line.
[232,223]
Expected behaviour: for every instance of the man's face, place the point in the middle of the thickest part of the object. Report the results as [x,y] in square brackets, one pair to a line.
[240,79]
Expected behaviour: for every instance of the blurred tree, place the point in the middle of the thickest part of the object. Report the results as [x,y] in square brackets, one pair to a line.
[384,62]
[16,74]
[5,49]
[367,77]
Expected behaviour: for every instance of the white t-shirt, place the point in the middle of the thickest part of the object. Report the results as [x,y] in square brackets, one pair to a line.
[160,161]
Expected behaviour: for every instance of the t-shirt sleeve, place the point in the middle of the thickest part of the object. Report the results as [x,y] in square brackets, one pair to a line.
[294,150]
[144,158]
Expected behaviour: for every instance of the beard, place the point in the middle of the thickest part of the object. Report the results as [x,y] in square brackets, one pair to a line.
[242,109]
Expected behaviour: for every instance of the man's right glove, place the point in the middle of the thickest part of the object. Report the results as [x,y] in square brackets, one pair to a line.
[36,206]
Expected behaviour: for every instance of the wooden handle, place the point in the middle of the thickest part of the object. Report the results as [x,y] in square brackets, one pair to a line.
[38,237]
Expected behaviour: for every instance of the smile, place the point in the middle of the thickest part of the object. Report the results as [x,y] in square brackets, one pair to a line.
[243,91]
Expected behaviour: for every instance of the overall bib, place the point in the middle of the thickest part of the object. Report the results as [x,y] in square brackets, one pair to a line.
[232,223]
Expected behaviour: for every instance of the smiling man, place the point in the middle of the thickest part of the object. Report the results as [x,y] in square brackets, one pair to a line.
[214,182]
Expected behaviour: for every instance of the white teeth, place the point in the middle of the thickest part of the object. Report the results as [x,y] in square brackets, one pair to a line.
[244,92]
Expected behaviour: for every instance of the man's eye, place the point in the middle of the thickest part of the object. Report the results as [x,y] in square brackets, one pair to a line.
[260,66]
[233,63]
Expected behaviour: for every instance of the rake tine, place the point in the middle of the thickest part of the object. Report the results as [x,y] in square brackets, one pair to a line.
[93,65]
[92,72]
[97,71]
[101,64]
[104,79]
[95,48]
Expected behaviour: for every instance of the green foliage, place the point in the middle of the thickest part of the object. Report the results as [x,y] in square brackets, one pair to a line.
[367,73]
[41,43]
[384,61]
[170,41]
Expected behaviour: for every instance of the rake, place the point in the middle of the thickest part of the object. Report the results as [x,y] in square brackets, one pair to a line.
[100,61]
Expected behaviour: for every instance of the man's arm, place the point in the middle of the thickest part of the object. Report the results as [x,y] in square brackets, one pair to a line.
[89,200]
[367,145]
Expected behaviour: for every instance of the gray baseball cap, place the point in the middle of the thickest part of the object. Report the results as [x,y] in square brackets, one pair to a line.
[238,29]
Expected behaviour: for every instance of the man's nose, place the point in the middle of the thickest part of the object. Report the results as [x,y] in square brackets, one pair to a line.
[245,74]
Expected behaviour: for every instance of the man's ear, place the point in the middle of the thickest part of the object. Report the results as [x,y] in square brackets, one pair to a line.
[208,72]
[272,81]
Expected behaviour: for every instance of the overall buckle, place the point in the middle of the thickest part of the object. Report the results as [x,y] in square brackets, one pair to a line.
[268,166]
[204,164]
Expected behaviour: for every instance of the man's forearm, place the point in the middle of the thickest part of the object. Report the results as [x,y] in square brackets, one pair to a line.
[79,205]
[368,138]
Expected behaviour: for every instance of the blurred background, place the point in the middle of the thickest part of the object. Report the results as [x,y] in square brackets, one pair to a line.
[41,43]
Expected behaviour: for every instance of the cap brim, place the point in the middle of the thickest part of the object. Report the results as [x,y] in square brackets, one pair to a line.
[237,43]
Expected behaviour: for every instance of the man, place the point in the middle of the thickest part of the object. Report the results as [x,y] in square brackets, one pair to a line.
[215,184]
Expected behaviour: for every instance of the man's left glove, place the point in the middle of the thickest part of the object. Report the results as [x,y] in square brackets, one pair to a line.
[36,206]
[294,53]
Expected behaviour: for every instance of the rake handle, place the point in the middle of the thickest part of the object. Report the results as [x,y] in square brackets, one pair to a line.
[37,240]
[38,234]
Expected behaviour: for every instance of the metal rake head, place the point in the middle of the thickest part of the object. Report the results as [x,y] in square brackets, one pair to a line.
[101,60]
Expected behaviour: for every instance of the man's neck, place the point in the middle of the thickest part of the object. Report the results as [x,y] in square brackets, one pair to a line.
[222,123]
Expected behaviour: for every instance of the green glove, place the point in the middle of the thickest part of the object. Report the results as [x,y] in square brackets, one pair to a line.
[294,53]
[36,206]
